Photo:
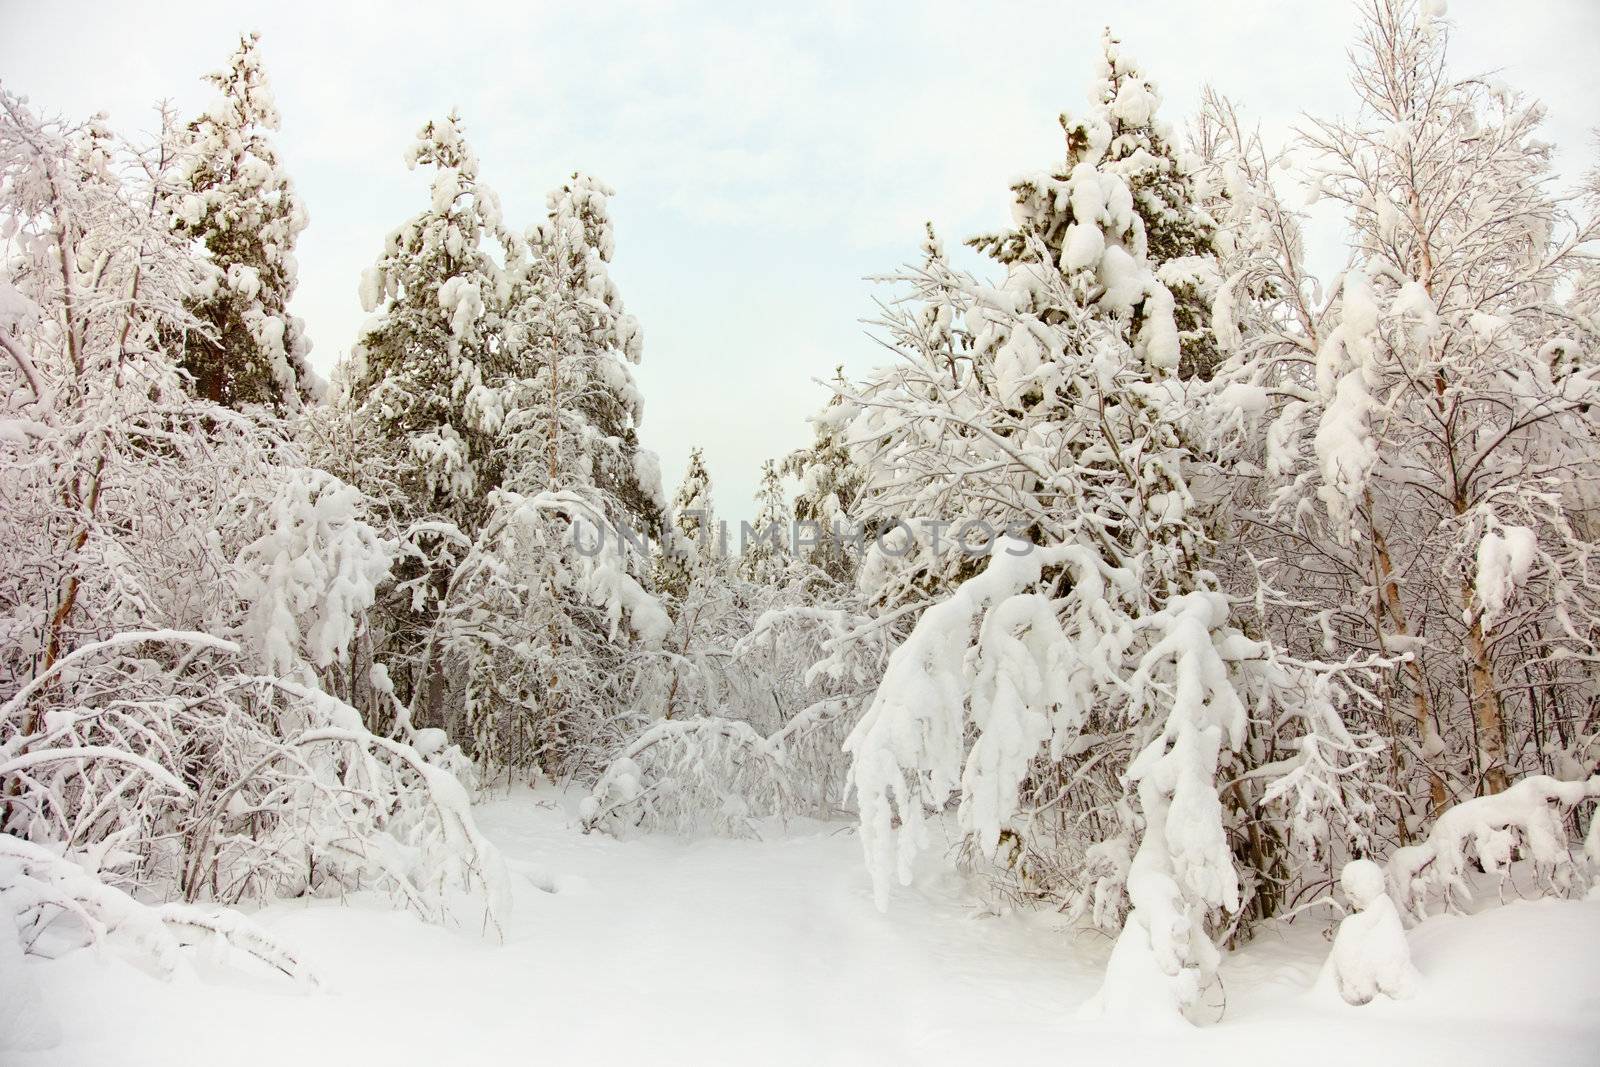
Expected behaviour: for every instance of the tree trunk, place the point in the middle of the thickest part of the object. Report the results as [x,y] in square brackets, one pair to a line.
[1421,705]
[1485,697]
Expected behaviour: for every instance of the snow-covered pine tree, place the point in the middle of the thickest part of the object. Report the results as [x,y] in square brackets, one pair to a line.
[1116,234]
[237,203]
[571,345]
[418,401]
[419,384]
[829,484]
[1122,221]
[698,539]
[767,555]
[549,617]
[695,580]
[1090,688]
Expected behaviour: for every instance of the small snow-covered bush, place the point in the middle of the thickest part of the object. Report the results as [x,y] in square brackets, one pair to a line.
[174,772]
[38,889]
[1529,821]
[745,755]
[1370,954]
[690,775]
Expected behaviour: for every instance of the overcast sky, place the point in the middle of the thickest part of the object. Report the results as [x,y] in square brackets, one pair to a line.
[764,163]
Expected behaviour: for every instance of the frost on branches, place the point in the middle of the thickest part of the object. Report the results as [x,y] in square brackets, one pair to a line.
[186,605]
[1425,480]
[766,663]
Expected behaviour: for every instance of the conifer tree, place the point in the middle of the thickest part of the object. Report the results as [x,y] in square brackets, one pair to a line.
[767,555]
[830,482]
[690,543]
[1065,415]
[422,378]
[239,205]
[1121,220]
[573,408]
[549,616]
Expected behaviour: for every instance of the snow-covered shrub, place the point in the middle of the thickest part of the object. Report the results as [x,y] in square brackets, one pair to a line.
[175,770]
[39,889]
[821,660]
[544,620]
[1370,954]
[766,663]
[998,677]
[1527,822]
[310,578]
[750,699]
[704,775]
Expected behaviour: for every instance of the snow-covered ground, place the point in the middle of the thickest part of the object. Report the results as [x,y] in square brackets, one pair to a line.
[660,951]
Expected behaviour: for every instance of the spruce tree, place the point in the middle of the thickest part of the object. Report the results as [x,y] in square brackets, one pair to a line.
[767,556]
[694,536]
[830,482]
[239,205]
[1121,219]
[572,406]
[421,379]
[549,618]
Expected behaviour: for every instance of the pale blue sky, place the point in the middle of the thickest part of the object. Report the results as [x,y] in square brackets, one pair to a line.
[763,162]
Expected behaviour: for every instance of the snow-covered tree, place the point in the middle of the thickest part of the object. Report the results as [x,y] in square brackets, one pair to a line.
[1121,221]
[420,398]
[571,345]
[1082,681]
[765,553]
[829,483]
[235,200]
[1113,241]
[697,579]
[548,615]
[546,624]
[756,687]
[698,537]
[184,616]
[420,385]
[1429,462]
